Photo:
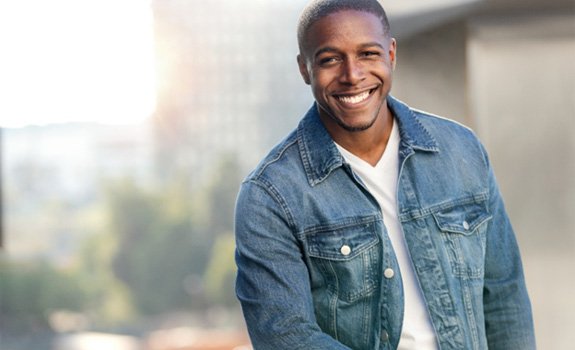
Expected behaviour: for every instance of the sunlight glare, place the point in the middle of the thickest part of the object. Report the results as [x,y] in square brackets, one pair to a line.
[76,60]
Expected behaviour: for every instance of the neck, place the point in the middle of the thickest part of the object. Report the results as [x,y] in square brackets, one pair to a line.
[368,144]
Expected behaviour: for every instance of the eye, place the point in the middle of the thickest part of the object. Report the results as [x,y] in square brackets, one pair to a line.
[370,54]
[327,61]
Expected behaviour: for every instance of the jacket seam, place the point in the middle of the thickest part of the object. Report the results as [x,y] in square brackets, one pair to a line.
[420,213]
[276,158]
[277,197]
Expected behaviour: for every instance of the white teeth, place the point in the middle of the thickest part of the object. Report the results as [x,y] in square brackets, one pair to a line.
[354,99]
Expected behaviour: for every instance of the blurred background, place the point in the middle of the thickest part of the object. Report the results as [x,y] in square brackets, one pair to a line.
[127,126]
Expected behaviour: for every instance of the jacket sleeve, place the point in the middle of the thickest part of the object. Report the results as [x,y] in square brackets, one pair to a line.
[508,318]
[272,280]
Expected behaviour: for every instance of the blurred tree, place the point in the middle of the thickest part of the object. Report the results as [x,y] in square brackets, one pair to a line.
[217,200]
[165,237]
[109,299]
[221,271]
[222,195]
[158,246]
[217,214]
[30,290]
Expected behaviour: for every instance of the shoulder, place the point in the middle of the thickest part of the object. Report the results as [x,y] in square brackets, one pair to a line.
[283,159]
[267,190]
[430,131]
[442,126]
[449,134]
[452,141]
[457,162]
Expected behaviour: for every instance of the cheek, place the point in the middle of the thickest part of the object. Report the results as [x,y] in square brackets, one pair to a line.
[384,75]
[318,93]
[321,84]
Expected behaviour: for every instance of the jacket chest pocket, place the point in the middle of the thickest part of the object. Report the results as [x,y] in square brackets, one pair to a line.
[345,257]
[463,230]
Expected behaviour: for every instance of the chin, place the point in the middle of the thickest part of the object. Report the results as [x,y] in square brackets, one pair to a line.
[357,126]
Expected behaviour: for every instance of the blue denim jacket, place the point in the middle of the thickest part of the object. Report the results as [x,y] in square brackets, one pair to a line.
[303,203]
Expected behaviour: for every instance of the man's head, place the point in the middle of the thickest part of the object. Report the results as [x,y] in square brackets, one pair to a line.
[318,9]
[347,56]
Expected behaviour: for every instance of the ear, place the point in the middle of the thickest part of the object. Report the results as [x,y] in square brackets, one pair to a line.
[303,69]
[392,52]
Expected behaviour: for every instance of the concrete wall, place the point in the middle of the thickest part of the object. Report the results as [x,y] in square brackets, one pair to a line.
[430,71]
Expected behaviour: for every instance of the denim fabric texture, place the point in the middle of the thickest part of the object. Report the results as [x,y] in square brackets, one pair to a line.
[312,247]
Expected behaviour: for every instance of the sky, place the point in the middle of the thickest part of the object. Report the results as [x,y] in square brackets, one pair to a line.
[76,60]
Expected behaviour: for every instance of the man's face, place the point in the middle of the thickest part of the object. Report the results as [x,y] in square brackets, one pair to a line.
[348,60]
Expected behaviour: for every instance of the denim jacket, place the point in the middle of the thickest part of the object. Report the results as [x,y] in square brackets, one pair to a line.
[300,290]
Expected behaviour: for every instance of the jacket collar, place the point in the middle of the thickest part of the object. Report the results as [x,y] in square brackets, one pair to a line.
[320,156]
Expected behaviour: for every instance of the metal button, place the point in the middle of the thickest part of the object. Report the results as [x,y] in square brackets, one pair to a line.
[389,273]
[345,250]
[465,225]
[384,336]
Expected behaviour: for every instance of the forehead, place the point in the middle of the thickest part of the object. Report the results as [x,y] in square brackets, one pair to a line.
[345,28]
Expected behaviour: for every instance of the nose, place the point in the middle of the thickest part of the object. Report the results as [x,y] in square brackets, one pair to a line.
[352,72]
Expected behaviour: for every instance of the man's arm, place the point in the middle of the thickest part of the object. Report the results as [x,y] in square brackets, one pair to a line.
[508,318]
[273,281]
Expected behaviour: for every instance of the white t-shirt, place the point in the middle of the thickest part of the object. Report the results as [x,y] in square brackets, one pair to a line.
[381,181]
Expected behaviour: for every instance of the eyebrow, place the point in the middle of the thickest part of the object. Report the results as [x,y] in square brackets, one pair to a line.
[333,49]
[324,50]
[366,45]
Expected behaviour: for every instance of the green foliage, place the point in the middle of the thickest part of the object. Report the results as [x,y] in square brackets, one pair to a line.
[146,251]
[221,195]
[165,237]
[221,271]
[29,291]
[153,255]
[109,299]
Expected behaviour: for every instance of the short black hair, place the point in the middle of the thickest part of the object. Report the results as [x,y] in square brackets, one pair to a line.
[318,9]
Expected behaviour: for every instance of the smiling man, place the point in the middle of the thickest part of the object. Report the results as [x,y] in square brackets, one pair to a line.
[374,225]
[348,59]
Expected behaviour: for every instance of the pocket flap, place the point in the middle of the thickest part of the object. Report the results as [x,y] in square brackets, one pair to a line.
[342,242]
[462,218]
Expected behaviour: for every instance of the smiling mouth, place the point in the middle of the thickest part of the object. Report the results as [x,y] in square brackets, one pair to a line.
[355,99]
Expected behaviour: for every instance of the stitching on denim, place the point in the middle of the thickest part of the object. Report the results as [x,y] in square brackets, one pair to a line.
[304,154]
[277,157]
[469,313]
[274,193]
[423,212]
[345,223]
[333,301]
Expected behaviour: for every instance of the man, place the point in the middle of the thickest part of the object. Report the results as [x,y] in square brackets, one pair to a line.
[373,225]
